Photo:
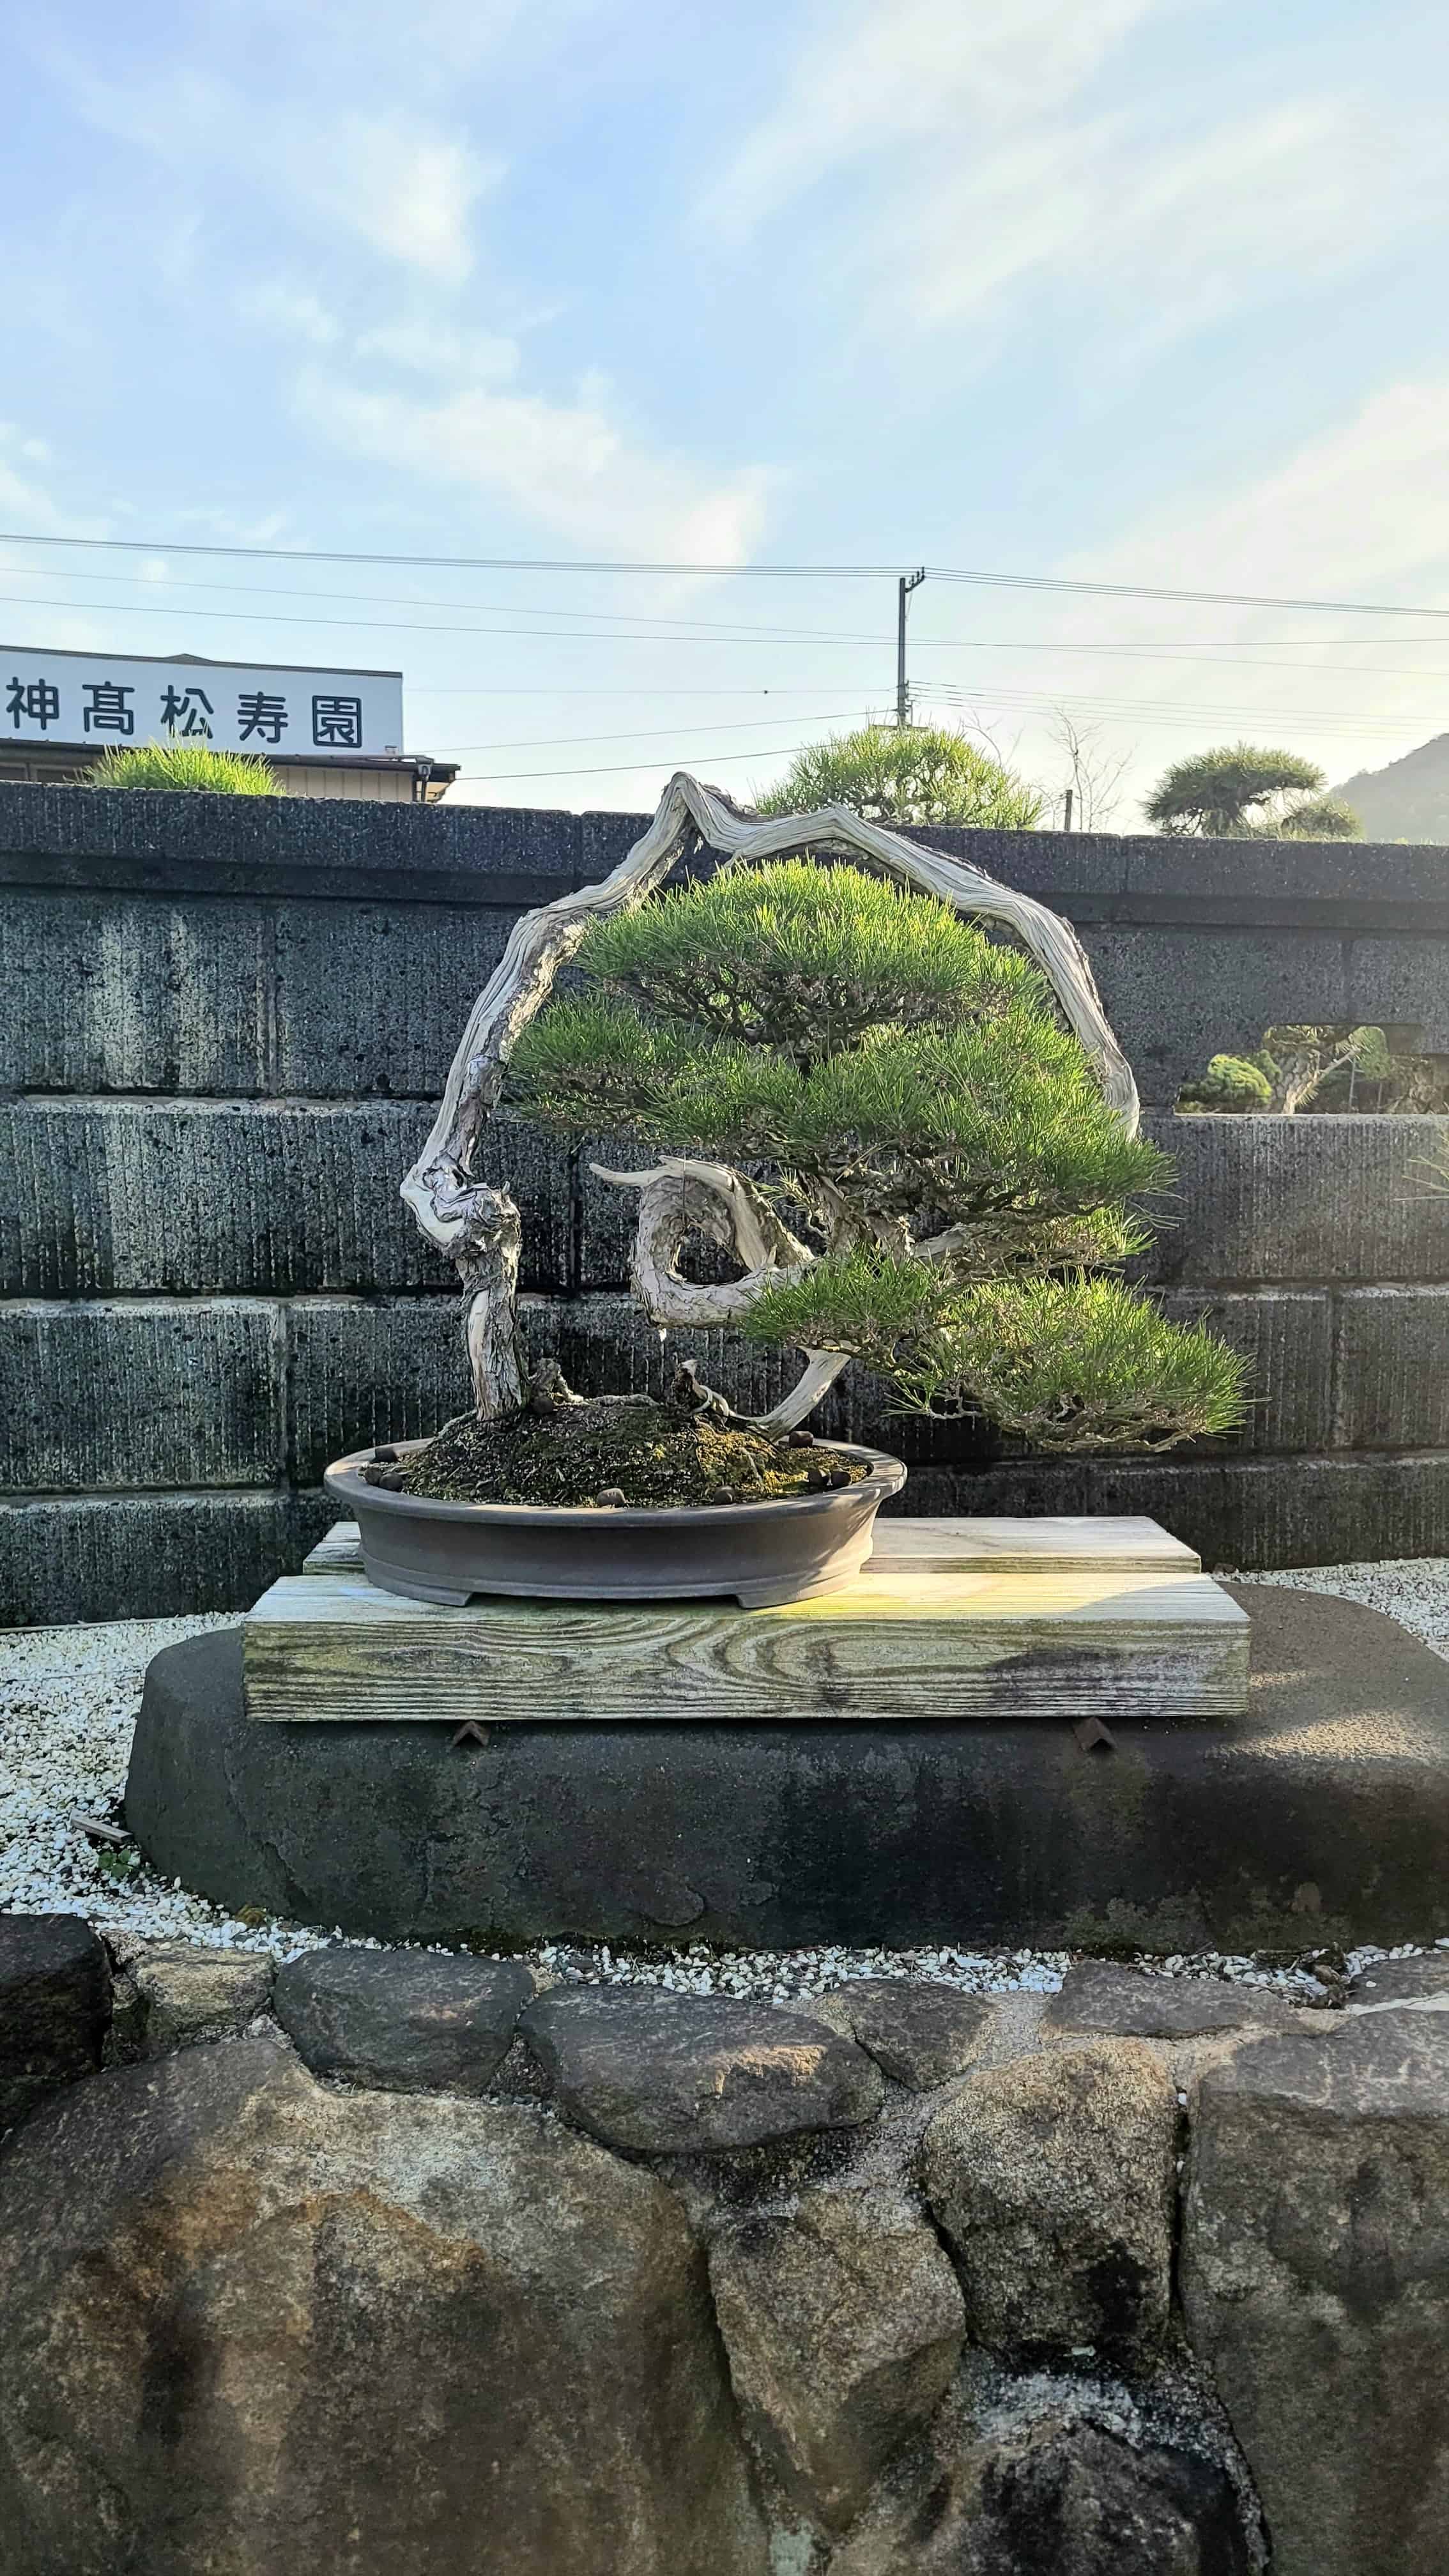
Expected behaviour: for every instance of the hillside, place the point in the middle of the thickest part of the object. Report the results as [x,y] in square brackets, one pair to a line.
[1408,801]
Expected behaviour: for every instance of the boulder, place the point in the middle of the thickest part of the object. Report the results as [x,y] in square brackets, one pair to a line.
[661,2073]
[1123,2003]
[1053,2178]
[920,2033]
[1051,2484]
[1403,1981]
[171,1994]
[843,2324]
[407,2021]
[1315,2278]
[55,1999]
[256,2326]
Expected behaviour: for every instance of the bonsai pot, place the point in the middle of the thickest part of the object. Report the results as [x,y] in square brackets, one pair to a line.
[762,1553]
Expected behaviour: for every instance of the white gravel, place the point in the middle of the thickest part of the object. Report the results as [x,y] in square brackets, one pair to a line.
[68,1703]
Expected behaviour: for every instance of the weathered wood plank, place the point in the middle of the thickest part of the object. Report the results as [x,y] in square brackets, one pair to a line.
[1042,1538]
[911,1640]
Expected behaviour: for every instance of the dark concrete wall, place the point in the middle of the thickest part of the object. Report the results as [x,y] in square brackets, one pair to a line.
[224,1027]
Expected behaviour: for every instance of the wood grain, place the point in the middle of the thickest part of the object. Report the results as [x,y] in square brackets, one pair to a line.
[912,1639]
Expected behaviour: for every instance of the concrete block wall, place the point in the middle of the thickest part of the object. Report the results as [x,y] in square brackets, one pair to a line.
[223,1036]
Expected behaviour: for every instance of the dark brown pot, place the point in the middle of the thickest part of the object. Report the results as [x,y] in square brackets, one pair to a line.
[762,1552]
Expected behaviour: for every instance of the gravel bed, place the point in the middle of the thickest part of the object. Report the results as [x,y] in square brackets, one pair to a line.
[68,1703]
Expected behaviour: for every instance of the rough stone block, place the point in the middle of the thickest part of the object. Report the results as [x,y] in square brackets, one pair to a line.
[55,1999]
[140,1395]
[178,1994]
[1404,980]
[407,2022]
[920,2033]
[842,2324]
[374,2331]
[1403,1981]
[1059,2476]
[1053,2179]
[665,2074]
[200,1199]
[144,1556]
[1226,987]
[1311,1199]
[360,1373]
[1393,1368]
[1286,1337]
[164,841]
[1101,1999]
[111,992]
[1315,2279]
[371,999]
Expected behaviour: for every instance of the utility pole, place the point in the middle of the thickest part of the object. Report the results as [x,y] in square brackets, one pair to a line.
[909,581]
[1067,815]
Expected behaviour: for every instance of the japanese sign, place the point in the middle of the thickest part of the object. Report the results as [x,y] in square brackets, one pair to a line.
[98,699]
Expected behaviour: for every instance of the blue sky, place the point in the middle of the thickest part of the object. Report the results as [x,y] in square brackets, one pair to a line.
[1127,290]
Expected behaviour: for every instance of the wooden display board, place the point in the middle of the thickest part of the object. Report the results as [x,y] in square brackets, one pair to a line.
[950,1619]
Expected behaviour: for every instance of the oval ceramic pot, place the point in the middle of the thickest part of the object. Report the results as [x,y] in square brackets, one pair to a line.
[762,1552]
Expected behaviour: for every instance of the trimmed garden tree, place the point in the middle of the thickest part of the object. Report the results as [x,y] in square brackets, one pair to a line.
[919,1143]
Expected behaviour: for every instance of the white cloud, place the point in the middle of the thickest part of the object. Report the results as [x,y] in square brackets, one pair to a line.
[1359,513]
[898,72]
[421,346]
[571,467]
[401,186]
[395,180]
[293,312]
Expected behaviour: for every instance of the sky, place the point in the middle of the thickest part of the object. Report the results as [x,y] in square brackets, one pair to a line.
[1139,292]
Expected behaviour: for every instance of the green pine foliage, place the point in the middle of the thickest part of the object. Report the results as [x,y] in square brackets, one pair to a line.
[184,766]
[906,1087]
[1066,1363]
[896,774]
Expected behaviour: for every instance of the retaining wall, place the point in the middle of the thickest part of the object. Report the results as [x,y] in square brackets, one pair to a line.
[225,1026]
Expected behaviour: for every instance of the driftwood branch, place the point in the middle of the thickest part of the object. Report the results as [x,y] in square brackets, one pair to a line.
[479,1226]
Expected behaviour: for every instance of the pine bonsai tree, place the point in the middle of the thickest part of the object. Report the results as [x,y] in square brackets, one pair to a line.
[938,1186]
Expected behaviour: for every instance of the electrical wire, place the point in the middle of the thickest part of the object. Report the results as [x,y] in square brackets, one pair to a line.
[760,572]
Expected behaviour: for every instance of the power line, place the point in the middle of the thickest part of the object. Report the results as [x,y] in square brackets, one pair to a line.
[709,634]
[617,768]
[759,572]
[543,742]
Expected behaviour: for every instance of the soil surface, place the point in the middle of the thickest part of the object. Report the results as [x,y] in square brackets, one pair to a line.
[648,1455]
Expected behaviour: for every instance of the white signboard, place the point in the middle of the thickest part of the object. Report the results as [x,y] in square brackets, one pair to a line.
[100,699]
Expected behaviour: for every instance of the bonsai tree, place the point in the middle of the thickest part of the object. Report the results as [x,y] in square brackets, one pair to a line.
[1242,793]
[184,766]
[1289,1070]
[896,774]
[876,1107]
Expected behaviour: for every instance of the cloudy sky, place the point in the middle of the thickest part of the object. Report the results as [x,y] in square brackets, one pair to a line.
[1145,292]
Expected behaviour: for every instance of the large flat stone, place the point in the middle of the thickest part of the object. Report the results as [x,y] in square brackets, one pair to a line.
[1315,2281]
[1321,1815]
[1100,1998]
[406,2022]
[660,2073]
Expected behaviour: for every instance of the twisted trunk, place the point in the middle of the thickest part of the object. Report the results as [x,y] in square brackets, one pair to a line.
[479,1226]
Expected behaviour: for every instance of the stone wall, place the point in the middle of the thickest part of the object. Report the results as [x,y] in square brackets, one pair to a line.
[443,2261]
[227,1020]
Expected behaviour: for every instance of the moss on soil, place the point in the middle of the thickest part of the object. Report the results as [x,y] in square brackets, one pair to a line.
[653,1454]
